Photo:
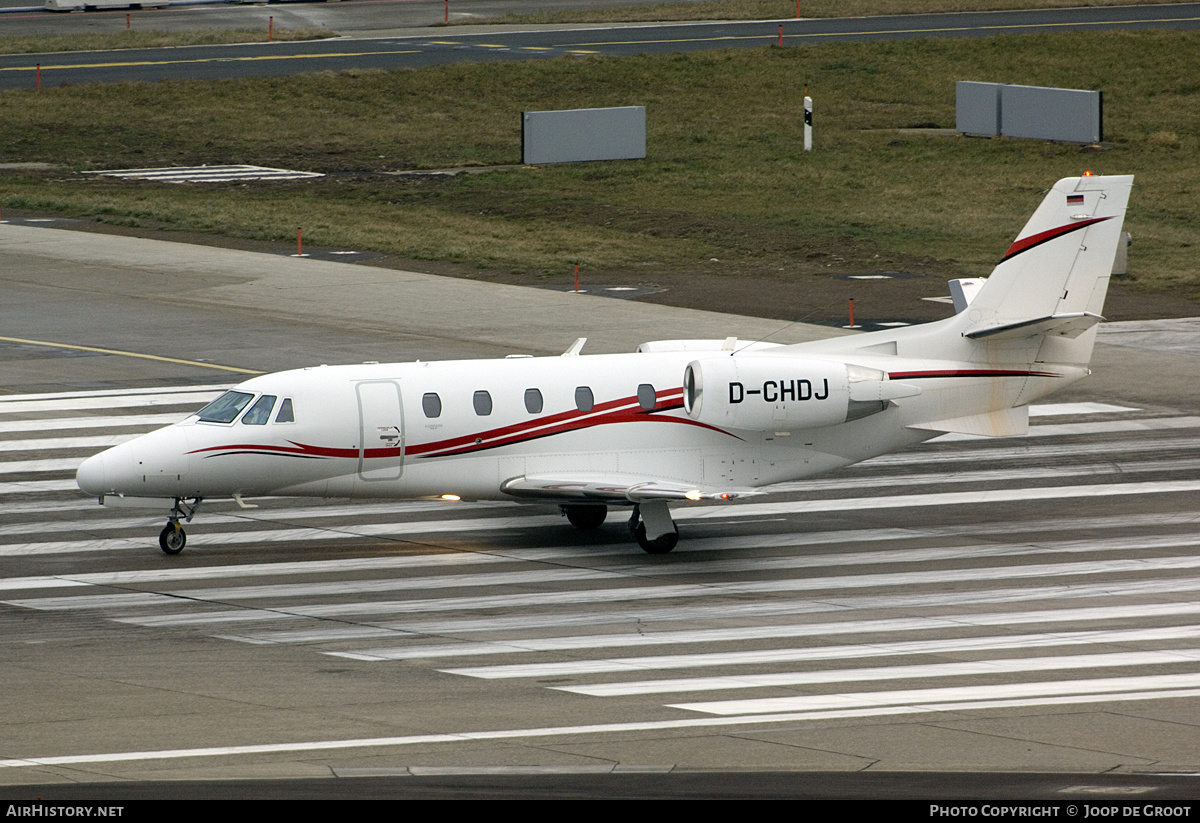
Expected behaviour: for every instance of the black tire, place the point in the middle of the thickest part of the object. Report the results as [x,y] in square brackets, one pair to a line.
[659,545]
[586,518]
[172,539]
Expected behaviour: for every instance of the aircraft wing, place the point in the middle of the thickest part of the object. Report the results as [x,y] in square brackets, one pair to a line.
[617,489]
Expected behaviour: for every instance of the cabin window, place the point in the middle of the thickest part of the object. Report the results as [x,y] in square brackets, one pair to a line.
[483,403]
[647,396]
[533,401]
[286,415]
[584,399]
[431,404]
[225,408]
[260,412]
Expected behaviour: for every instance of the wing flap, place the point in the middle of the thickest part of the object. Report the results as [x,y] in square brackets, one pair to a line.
[610,489]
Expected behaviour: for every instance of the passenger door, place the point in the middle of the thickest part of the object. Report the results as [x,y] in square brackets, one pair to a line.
[381,430]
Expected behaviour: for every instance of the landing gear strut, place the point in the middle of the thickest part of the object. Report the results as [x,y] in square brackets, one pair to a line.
[172,538]
[653,527]
[586,518]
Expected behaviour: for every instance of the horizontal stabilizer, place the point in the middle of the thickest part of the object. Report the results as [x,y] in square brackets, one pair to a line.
[610,489]
[999,423]
[1066,325]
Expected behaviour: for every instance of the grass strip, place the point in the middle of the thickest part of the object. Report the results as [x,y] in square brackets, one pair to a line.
[785,9]
[726,187]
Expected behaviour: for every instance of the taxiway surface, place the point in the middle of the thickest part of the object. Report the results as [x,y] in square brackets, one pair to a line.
[396,42]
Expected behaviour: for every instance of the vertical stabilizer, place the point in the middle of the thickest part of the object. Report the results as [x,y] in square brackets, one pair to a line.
[1053,278]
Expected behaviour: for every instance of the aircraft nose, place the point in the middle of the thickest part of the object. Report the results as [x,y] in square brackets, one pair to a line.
[111,471]
[149,465]
[91,477]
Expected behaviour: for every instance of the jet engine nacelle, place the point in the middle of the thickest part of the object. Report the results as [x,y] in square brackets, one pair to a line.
[766,393]
[785,393]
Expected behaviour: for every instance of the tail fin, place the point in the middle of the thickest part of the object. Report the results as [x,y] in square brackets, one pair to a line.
[1053,279]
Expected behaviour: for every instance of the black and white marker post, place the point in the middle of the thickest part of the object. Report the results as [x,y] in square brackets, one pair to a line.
[807,120]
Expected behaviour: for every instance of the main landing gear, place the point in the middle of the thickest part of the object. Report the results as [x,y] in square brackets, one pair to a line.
[586,518]
[653,527]
[651,524]
[172,538]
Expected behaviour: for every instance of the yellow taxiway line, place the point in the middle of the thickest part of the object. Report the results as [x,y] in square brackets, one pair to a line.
[131,354]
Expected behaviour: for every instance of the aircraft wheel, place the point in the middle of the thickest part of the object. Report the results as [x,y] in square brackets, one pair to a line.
[586,518]
[172,539]
[659,545]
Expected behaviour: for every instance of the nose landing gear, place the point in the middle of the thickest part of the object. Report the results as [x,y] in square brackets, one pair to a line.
[172,538]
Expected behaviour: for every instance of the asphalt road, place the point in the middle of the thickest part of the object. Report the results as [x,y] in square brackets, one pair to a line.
[991,606]
[390,49]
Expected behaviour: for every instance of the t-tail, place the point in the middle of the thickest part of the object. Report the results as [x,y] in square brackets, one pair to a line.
[1029,328]
[1049,288]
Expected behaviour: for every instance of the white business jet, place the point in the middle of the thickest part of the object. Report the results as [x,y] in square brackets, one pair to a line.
[676,421]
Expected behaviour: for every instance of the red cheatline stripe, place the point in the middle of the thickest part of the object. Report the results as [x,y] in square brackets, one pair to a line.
[1027,243]
[296,449]
[550,424]
[908,375]
[622,410]
[626,416]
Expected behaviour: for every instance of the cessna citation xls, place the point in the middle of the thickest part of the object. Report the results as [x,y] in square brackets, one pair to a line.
[677,420]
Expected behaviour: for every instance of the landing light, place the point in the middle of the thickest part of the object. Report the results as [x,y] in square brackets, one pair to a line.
[451,497]
[694,494]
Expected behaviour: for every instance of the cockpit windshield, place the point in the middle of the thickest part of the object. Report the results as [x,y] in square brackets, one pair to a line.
[225,408]
[260,412]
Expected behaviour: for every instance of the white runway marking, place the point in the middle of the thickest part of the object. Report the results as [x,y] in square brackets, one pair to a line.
[554,732]
[207,174]
[742,635]
[39,487]
[643,612]
[1059,409]
[1030,451]
[58,464]
[96,442]
[1025,475]
[1098,427]
[944,696]
[149,393]
[519,520]
[848,652]
[927,670]
[148,421]
[882,557]
[195,399]
[979,497]
[688,614]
